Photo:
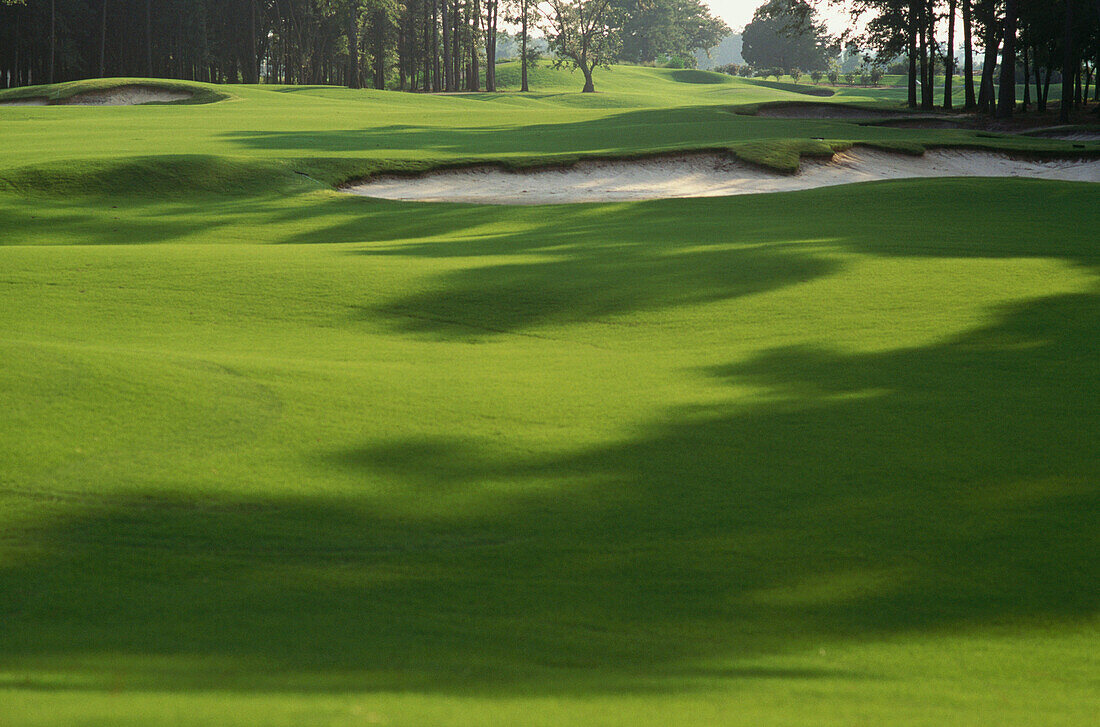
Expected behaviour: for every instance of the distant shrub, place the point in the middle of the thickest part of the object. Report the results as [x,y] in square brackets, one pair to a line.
[730,69]
[746,71]
[679,62]
[876,75]
[834,73]
[850,77]
[796,73]
[816,76]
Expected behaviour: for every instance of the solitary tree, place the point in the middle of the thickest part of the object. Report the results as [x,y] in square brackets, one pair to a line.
[581,33]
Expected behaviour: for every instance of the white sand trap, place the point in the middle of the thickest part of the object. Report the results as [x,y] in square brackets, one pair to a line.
[119,96]
[126,96]
[704,175]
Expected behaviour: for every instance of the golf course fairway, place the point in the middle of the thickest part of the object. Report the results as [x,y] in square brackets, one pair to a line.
[275,455]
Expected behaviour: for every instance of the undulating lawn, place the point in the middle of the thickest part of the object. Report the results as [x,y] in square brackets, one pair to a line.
[270,455]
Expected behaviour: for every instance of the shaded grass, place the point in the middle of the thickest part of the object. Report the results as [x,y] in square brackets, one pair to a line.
[805,89]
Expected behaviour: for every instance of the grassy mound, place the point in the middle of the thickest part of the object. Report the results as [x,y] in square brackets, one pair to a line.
[694,76]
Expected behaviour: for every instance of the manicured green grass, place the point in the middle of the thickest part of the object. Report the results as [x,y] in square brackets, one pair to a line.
[275,456]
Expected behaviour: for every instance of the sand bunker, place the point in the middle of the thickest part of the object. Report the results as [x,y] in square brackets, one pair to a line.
[704,175]
[119,96]
[127,96]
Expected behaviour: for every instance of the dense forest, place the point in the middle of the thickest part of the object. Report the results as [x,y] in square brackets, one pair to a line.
[423,45]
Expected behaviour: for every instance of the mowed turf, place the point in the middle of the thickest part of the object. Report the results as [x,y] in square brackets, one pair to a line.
[274,456]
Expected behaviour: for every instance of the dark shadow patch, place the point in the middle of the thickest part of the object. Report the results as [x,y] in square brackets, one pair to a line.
[922,490]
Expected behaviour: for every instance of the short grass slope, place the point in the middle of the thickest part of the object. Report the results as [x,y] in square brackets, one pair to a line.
[272,455]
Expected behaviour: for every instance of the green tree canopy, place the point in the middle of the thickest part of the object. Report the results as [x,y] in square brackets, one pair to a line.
[787,34]
[653,29]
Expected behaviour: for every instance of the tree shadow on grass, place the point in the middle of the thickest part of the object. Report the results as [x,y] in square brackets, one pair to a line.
[534,266]
[943,488]
[637,130]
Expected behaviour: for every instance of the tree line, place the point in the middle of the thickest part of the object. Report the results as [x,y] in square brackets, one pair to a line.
[1012,42]
[413,45]
[1020,40]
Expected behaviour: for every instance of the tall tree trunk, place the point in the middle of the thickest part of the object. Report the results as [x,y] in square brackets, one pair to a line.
[149,38]
[1067,65]
[523,48]
[475,37]
[971,101]
[254,59]
[932,48]
[949,66]
[53,40]
[445,18]
[589,87]
[1027,82]
[1046,87]
[402,57]
[491,45]
[437,82]
[103,42]
[1007,102]
[456,45]
[379,50]
[986,93]
[426,48]
[353,79]
[1040,102]
[912,43]
[1096,68]
[470,45]
[925,86]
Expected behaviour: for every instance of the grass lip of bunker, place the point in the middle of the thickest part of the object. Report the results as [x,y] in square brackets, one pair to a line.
[113,92]
[703,175]
[818,110]
[28,101]
[131,95]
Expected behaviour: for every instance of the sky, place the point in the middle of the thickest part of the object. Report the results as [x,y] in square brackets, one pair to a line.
[738,13]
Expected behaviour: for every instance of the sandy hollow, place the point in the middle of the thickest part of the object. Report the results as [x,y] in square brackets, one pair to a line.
[705,175]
